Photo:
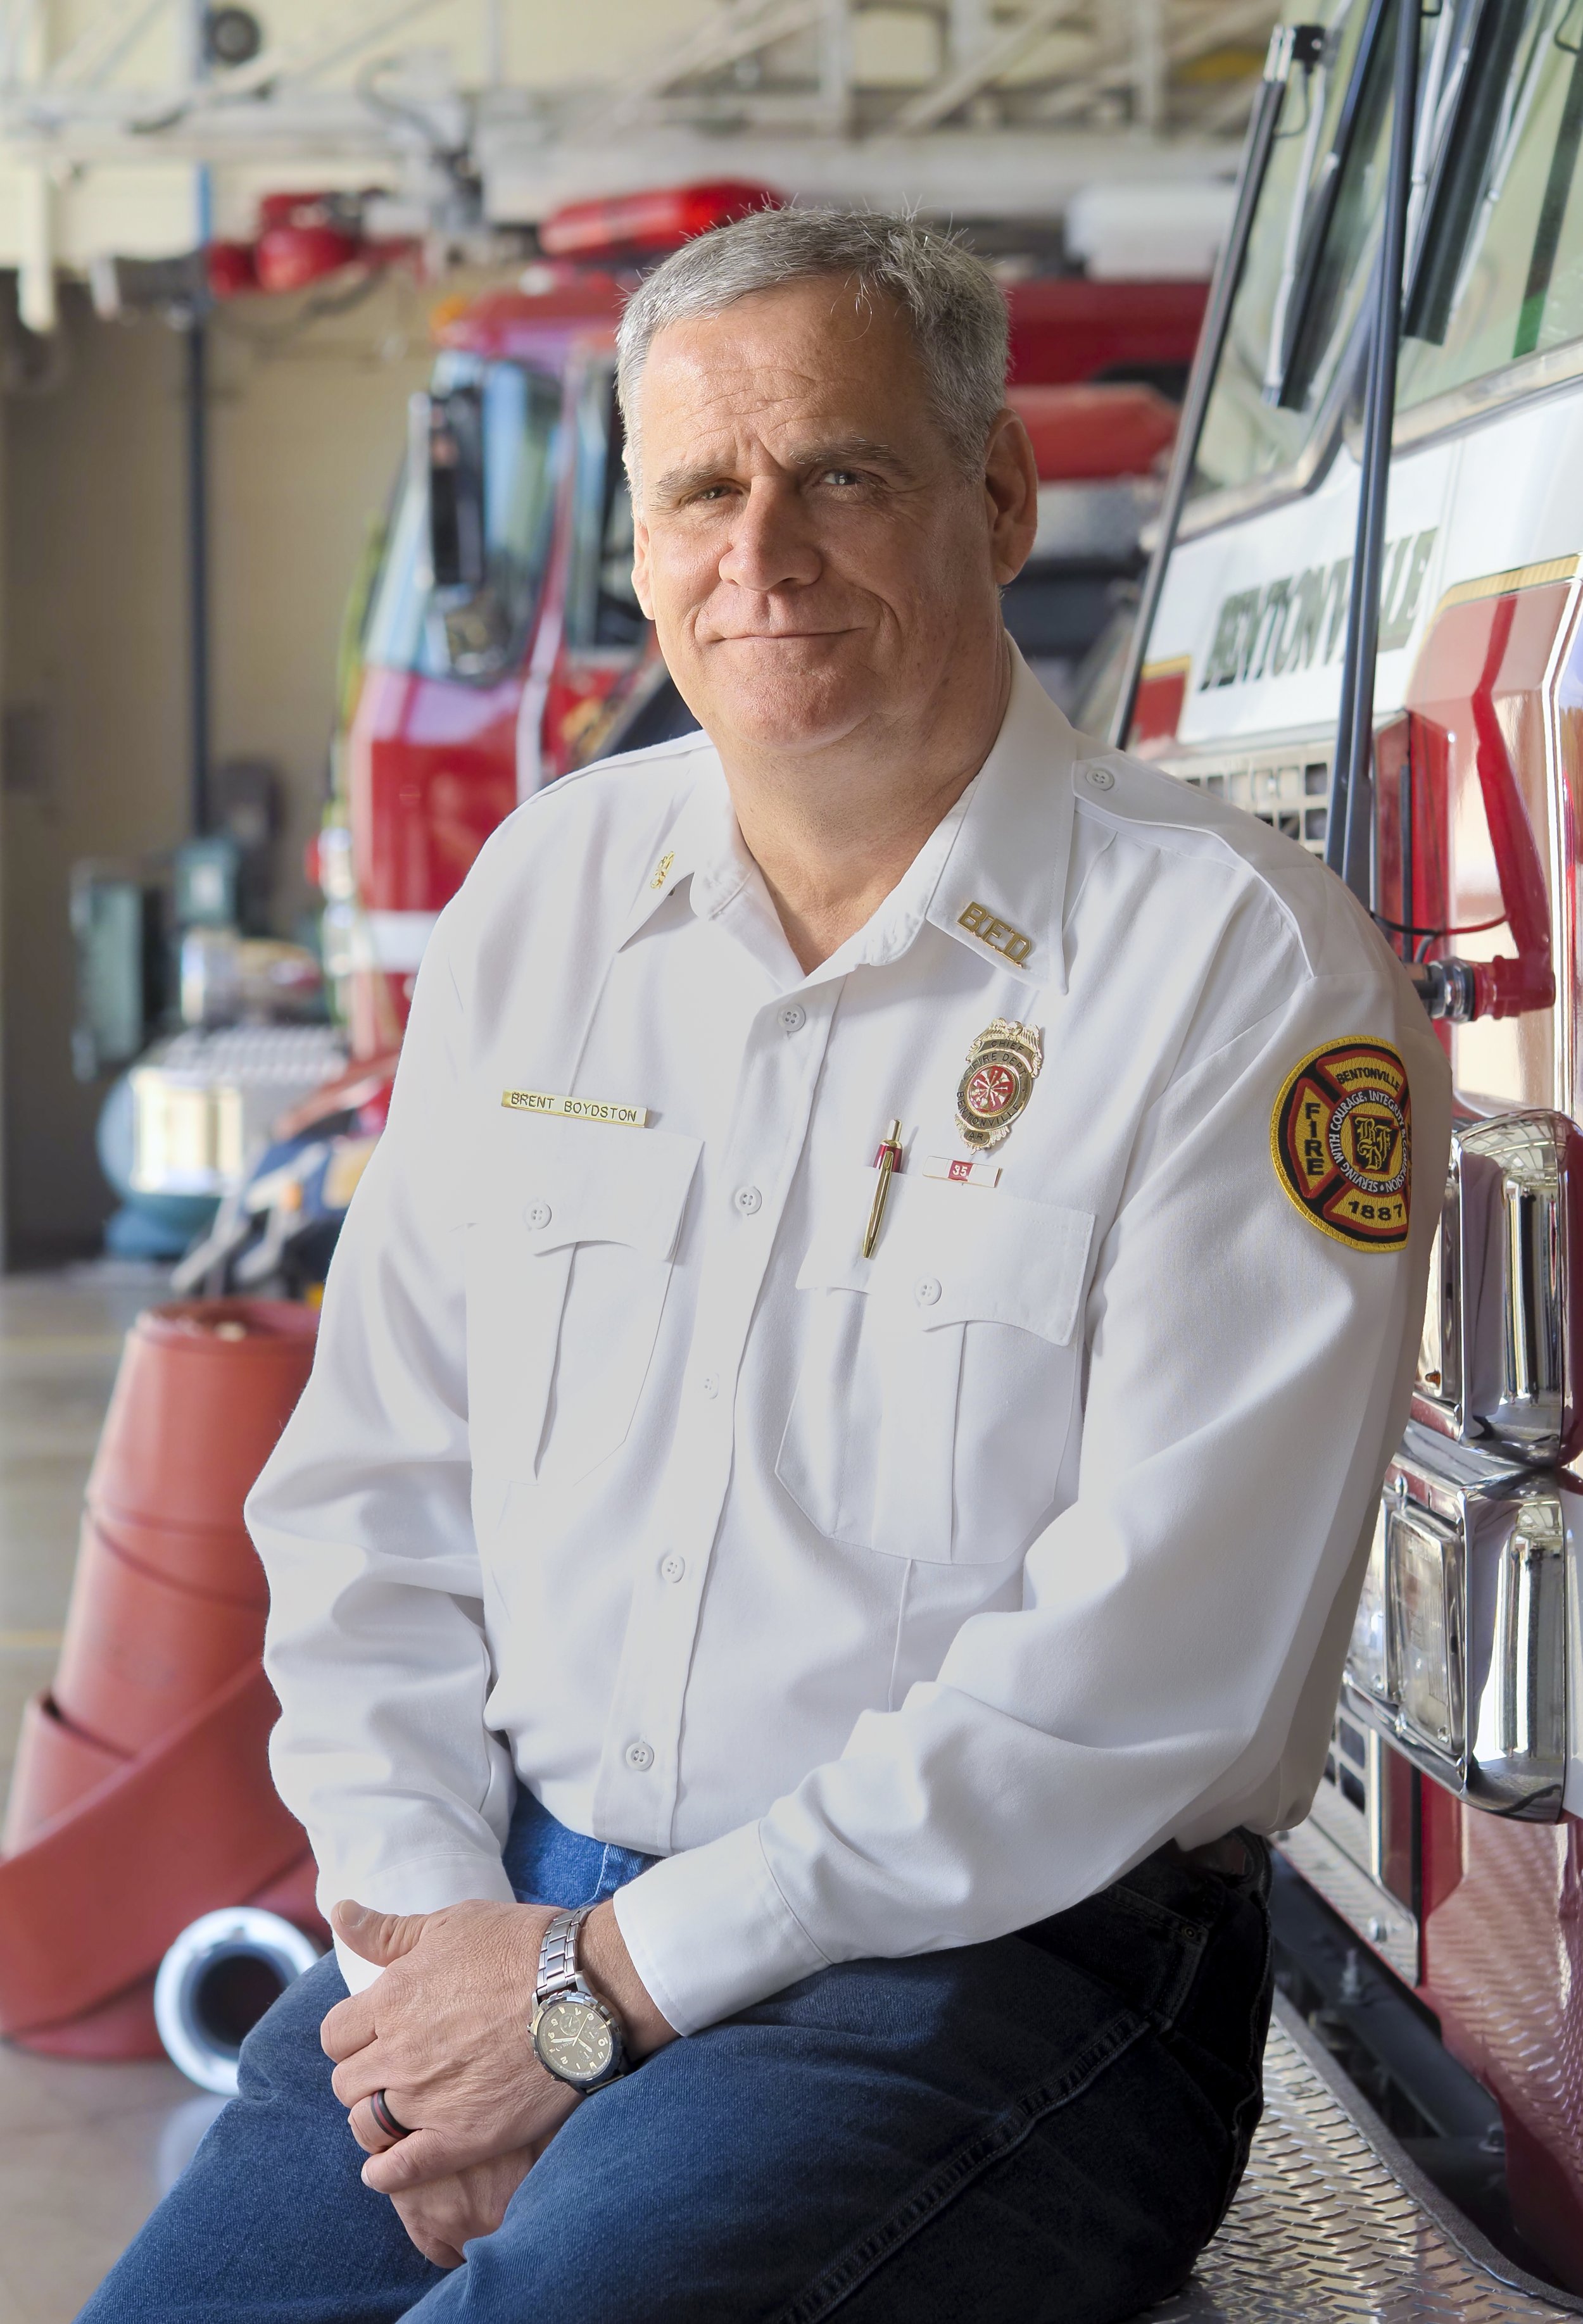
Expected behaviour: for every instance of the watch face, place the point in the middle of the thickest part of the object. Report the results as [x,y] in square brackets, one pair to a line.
[573,2039]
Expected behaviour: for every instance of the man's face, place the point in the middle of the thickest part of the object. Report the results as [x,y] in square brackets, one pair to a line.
[816,564]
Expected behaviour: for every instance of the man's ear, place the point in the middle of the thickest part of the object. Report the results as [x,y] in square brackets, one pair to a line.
[1010,483]
[640,565]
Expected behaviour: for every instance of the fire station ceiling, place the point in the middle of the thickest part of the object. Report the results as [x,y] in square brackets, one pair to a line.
[142,126]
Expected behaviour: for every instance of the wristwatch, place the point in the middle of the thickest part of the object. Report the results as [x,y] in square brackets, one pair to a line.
[575,2037]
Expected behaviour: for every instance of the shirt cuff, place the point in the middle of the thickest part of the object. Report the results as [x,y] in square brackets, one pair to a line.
[711,1934]
[419,1885]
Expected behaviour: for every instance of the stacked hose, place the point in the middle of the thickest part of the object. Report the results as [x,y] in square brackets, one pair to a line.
[141,1797]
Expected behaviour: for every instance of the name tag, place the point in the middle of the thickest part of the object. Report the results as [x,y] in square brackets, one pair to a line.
[575,1109]
[962,1173]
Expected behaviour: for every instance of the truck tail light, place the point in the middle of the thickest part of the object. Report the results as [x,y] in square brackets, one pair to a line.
[1460,1650]
[1497,1363]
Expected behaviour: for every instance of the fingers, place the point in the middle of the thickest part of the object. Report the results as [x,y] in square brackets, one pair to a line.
[359,2076]
[348,2027]
[378,1937]
[443,2217]
[434,2249]
[368,2130]
[413,2162]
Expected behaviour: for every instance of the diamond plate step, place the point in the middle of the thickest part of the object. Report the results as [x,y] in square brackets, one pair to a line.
[1334,2225]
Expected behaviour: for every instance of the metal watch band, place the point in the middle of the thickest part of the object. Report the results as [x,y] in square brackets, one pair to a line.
[559,1977]
[557,1968]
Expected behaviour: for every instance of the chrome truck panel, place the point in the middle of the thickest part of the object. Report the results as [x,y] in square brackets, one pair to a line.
[1460,1651]
[1497,1363]
[1333,2224]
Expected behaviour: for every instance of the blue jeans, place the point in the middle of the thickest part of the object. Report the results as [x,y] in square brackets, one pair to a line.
[1047,2127]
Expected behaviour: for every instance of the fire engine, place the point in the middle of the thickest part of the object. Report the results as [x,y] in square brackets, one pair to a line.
[496,641]
[1364,624]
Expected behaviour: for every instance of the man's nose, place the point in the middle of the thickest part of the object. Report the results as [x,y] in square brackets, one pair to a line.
[772,544]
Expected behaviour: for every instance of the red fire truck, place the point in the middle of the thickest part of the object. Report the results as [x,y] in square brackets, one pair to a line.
[1364,623]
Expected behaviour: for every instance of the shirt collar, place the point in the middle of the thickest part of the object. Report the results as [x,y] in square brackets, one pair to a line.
[701,844]
[992,874]
[1002,886]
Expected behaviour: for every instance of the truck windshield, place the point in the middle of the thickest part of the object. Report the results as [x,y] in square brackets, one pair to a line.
[1502,273]
[1309,256]
[411,624]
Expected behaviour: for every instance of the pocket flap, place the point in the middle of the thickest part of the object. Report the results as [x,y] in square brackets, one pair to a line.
[955,1255]
[569,1182]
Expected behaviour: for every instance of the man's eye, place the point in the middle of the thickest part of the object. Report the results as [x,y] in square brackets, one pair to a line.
[840,476]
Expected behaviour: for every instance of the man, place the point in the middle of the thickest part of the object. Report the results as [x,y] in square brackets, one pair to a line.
[846,1423]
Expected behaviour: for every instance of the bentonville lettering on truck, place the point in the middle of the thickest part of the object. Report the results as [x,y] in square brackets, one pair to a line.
[1300,619]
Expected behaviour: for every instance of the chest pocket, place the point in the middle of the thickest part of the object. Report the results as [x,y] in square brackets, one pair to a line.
[941,1378]
[570,1257]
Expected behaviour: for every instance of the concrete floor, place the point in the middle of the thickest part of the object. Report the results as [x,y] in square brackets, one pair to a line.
[84,2150]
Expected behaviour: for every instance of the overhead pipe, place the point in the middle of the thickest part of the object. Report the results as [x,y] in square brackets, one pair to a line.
[199,650]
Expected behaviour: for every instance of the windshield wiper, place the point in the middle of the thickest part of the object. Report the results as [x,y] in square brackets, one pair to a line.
[1552,209]
[1306,329]
[1462,162]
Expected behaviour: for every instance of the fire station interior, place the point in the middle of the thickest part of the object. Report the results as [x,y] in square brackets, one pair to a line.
[315,552]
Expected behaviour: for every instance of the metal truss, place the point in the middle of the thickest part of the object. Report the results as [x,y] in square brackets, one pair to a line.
[819,69]
[981,108]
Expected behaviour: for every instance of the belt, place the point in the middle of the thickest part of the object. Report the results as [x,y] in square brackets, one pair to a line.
[1228,1856]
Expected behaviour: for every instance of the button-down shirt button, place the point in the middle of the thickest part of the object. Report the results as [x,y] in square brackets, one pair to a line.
[926,1290]
[709,1384]
[793,1017]
[748,1200]
[539,1214]
[1102,778]
[672,1568]
[640,1756]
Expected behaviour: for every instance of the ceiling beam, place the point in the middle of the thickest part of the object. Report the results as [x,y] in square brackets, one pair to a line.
[1213,27]
[1007,49]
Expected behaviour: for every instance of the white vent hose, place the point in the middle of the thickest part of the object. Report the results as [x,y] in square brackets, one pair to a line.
[215,1984]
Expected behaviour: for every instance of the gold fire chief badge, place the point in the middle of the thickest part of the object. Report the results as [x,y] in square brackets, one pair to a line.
[1003,1066]
[1341,1138]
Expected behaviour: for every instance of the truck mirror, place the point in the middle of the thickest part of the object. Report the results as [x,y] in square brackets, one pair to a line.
[455,435]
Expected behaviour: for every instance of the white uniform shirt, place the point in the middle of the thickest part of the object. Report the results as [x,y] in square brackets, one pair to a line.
[895,1603]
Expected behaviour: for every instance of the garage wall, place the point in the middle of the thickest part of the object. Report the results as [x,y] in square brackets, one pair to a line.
[306,427]
[93,673]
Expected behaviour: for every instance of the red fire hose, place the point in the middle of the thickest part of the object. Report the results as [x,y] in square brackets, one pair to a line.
[142,1795]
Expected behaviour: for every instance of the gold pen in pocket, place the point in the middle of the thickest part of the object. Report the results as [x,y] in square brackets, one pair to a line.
[887,1159]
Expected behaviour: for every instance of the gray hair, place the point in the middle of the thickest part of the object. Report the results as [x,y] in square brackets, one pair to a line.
[951,301]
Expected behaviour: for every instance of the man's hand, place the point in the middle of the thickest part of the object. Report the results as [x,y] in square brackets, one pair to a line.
[446,2033]
[450,2212]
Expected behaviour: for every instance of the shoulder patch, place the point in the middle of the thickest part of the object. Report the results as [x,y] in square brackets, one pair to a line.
[1341,1140]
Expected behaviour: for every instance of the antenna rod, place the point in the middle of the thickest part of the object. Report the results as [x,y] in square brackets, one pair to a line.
[1349,830]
